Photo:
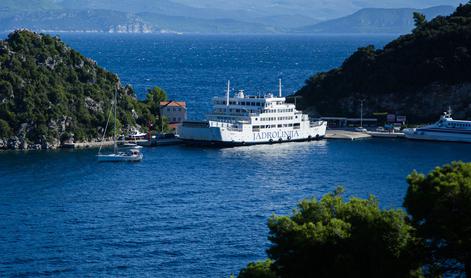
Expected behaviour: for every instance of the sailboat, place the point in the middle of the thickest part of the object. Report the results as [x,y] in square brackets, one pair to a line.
[129,155]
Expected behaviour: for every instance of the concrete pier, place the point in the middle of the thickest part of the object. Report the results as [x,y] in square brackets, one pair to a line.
[345,134]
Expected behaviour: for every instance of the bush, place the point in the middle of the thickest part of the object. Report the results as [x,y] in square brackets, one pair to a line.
[258,270]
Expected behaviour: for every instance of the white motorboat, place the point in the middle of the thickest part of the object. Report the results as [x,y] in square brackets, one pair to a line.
[446,129]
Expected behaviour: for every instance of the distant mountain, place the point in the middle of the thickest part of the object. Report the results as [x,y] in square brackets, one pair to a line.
[77,21]
[197,25]
[215,16]
[372,20]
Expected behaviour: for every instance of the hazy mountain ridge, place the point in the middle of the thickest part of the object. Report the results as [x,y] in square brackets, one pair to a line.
[144,16]
[78,21]
[374,20]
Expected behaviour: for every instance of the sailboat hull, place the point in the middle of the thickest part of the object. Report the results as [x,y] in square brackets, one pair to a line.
[119,158]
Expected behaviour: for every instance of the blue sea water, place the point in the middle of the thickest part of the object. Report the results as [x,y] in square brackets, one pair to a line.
[190,212]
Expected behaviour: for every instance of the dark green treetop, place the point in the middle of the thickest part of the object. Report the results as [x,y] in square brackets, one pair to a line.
[331,237]
[419,19]
[440,206]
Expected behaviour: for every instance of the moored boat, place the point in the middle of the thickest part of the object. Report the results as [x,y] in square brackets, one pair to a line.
[245,120]
[130,155]
[446,129]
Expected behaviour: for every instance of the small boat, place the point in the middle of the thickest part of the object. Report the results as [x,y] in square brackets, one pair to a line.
[132,154]
[446,129]
[136,135]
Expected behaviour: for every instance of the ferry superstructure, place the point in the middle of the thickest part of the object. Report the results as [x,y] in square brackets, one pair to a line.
[446,129]
[245,120]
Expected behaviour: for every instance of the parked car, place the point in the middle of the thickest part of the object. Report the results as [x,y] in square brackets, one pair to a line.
[361,129]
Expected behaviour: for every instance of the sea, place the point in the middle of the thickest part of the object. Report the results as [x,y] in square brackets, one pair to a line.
[187,211]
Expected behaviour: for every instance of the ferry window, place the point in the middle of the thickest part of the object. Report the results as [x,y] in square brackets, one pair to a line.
[273,126]
[280,125]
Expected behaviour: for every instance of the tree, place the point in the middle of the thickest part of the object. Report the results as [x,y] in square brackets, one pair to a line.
[334,238]
[5,130]
[440,206]
[419,20]
[258,270]
[154,97]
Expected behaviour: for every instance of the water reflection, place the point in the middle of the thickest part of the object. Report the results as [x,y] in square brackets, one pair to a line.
[276,151]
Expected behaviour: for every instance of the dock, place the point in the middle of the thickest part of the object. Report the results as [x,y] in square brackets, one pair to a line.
[345,134]
[382,134]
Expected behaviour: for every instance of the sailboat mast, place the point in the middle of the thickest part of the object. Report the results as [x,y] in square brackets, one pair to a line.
[115,123]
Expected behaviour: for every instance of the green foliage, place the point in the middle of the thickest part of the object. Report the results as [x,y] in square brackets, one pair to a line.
[440,206]
[334,238]
[258,270]
[419,20]
[154,97]
[57,92]
[5,130]
[414,71]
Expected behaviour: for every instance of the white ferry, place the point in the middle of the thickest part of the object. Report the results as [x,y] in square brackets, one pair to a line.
[247,120]
[446,129]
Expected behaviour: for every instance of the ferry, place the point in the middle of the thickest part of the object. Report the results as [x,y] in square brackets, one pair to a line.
[246,120]
[446,129]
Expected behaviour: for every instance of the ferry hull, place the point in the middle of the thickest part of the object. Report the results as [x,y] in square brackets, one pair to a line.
[214,136]
[223,144]
[417,134]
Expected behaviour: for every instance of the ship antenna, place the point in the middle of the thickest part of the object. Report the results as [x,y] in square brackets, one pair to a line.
[279,87]
[228,91]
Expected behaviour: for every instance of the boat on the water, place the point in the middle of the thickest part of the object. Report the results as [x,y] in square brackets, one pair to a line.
[246,120]
[446,129]
[131,154]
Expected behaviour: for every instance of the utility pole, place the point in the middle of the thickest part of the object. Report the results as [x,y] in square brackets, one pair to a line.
[361,112]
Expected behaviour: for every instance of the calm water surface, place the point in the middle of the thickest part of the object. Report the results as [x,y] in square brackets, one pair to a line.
[190,212]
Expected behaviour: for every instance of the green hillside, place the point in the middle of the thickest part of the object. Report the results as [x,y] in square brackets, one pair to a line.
[418,75]
[50,93]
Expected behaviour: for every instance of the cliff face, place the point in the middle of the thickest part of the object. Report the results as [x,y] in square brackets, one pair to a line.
[49,93]
[418,75]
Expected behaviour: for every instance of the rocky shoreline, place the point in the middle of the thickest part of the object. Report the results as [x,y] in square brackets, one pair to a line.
[20,144]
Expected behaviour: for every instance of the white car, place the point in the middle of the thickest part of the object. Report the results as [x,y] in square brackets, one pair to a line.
[361,129]
[380,129]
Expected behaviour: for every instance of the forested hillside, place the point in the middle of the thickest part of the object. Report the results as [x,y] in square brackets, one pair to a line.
[51,93]
[418,75]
